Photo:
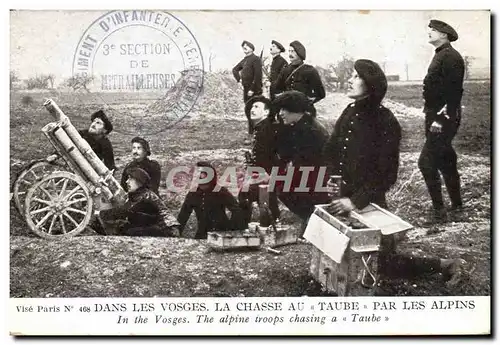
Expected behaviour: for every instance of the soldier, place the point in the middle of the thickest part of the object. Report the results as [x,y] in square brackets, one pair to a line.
[299,76]
[364,150]
[300,142]
[277,66]
[144,213]
[140,153]
[443,88]
[249,72]
[210,204]
[263,154]
[97,137]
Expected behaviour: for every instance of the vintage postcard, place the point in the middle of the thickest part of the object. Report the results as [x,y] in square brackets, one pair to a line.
[264,172]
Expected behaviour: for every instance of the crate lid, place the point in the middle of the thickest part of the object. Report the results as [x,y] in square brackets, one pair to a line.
[386,221]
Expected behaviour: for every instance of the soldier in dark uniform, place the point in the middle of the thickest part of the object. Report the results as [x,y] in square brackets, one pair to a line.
[249,72]
[443,88]
[210,201]
[144,213]
[97,137]
[364,150]
[263,154]
[140,153]
[277,66]
[301,139]
[299,76]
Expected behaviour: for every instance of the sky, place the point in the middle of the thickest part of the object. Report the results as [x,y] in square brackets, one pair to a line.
[45,41]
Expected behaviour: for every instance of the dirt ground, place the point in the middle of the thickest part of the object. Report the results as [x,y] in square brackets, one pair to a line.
[94,266]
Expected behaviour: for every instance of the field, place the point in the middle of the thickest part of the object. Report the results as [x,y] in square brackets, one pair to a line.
[92,265]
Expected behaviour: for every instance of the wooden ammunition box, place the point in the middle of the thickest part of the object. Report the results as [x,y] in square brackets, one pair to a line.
[280,236]
[227,240]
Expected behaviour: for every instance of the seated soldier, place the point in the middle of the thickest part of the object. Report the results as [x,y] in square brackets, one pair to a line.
[97,137]
[210,202]
[263,154]
[140,153]
[144,213]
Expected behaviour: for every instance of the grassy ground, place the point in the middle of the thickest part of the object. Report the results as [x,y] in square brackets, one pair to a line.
[170,267]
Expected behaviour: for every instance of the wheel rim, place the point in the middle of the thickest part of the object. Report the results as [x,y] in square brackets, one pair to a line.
[27,178]
[59,205]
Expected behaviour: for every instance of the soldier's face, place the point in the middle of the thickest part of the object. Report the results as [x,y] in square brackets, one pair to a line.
[97,127]
[138,152]
[292,54]
[133,184]
[258,111]
[356,87]
[435,35]
[247,50]
[274,49]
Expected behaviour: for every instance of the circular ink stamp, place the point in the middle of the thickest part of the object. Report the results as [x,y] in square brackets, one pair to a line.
[144,67]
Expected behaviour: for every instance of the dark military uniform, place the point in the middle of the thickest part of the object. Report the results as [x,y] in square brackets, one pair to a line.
[249,71]
[210,208]
[144,214]
[277,66]
[263,155]
[152,167]
[102,148]
[443,86]
[303,78]
[364,150]
[300,145]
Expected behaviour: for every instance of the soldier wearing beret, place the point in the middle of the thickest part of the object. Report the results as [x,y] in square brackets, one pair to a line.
[300,76]
[277,66]
[97,137]
[249,72]
[140,154]
[364,150]
[263,153]
[300,141]
[143,214]
[443,88]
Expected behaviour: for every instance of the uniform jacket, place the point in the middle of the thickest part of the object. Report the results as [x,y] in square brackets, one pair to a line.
[102,148]
[364,150]
[443,85]
[150,166]
[210,210]
[249,71]
[263,152]
[277,66]
[305,79]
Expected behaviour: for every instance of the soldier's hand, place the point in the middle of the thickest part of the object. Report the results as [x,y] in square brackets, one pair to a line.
[250,93]
[52,158]
[333,188]
[436,127]
[343,205]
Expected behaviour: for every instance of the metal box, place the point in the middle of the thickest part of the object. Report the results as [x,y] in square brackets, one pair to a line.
[226,240]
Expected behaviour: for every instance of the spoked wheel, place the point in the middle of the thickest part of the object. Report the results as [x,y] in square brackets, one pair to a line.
[59,205]
[27,178]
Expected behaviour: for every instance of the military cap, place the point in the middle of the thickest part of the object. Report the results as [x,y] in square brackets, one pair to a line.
[279,45]
[259,98]
[144,143]
[444,28]
[101,115]
[293,101]
[299,49]
[248,44]
[374,78]
[140,175]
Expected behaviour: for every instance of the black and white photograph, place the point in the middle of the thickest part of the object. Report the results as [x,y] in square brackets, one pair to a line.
[191,155]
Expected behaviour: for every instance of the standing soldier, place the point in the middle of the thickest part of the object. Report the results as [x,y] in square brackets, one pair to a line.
[140,153]
[249,72]
[299,76]
[277,66]
[443,88]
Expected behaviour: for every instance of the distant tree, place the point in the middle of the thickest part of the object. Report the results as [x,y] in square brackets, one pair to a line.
[211,58]
[37,82]
[51,78]
[13,78]
[467,64]
[79,81]
[343,70]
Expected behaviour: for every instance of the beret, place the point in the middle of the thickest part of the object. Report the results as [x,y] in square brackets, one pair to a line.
[299,49]
[248,44]
[444,28]
[140,175]
[101,115]
[293,101]
[279,45]
[374,78]
[259,98]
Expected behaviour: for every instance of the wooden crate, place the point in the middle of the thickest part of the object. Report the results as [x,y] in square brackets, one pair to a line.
[280,236]
[227,240]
